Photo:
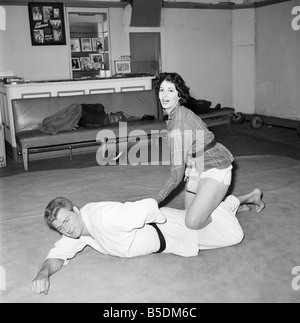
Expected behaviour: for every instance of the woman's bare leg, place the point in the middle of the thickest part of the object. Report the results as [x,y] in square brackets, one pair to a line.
[210,194]
[188,199]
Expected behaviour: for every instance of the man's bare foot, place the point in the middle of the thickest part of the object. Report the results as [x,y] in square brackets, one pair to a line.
[252,201]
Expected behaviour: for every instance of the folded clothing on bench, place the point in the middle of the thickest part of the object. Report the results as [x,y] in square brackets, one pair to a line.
[65,119]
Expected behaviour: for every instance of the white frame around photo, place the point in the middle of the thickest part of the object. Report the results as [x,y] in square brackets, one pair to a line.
[123,66]
[75,45]
[77,60]
[95,58]
[86,41]
[85,61]
[94,44]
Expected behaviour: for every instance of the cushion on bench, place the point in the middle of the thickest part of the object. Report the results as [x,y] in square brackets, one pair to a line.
[34,138]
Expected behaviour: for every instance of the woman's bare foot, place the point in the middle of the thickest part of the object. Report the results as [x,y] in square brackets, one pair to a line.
[243,208]
[252,201]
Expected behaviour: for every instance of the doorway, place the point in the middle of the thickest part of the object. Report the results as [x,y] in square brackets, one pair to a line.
[145,53]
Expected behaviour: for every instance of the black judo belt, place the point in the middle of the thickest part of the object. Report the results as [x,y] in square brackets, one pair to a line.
[161,238]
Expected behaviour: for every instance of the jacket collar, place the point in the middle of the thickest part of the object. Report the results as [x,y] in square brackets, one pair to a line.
[173,112]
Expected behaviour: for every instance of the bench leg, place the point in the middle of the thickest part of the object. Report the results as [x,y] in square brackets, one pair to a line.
[230,120]
[70,152]
[25,158]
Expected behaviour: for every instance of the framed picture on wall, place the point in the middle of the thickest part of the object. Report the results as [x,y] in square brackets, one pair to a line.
[47,24]
[86,63]
[86,45]
[97,61]
[123,66]
[98,45]
[97,58]
[75,44]
[76,64]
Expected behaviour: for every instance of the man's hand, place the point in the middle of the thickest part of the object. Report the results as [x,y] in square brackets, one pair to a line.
[41,284]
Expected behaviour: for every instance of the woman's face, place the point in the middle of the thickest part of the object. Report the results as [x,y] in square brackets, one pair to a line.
[168,96]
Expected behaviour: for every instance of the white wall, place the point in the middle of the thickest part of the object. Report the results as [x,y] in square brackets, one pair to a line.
[198,46]
[243,60]
[278,62]
[118,40]
[195,43]
[31,62]
[45,62]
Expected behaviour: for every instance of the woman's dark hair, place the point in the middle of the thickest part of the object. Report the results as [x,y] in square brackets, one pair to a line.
[176,79]
[54,206]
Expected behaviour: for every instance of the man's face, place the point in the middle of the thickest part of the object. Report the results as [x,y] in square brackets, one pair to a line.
[168,96]
[69,223]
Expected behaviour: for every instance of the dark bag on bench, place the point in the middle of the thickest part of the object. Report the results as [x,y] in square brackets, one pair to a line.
[93,115]
[116,117]
[198,106]
[120,116]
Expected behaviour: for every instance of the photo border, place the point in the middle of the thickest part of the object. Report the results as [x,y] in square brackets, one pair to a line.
[82,59]
[79,64]
[38,26]
[92,55]
[94,40]
[77,40]
[119,64]
[90,44]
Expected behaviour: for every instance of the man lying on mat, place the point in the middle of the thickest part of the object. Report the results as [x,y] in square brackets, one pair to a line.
[137,228]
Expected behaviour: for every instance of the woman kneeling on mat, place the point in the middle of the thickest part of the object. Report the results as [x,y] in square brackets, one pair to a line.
[206,164]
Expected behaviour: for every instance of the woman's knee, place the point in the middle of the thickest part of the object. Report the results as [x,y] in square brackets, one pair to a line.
[192,224]
[197,222]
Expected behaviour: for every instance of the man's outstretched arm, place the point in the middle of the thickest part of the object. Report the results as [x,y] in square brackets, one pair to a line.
[41,283]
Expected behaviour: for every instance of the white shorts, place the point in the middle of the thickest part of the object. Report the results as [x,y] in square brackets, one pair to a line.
[221,175]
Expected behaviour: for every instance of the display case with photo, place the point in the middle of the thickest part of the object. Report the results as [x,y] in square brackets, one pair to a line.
[85,63]
[98,45]
[76,64]
[75,45]
[89,42]
[86,45]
